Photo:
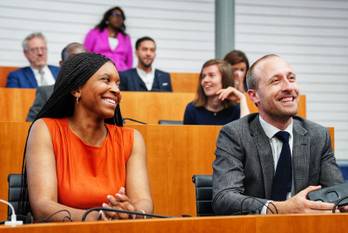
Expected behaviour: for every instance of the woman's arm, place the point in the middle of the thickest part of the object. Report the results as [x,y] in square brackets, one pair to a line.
[90,40]
[129,55]
[137,184]
[42,180]
[136,196]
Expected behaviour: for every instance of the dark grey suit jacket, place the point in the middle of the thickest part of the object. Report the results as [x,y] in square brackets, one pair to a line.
[244,165]
[130,81]
[43,93]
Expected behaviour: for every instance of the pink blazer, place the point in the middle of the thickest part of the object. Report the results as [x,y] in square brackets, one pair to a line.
[98,42]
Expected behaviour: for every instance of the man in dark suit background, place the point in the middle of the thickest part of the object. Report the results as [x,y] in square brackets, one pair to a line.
[38,73]
[250,159]
[43,93]
[144,77]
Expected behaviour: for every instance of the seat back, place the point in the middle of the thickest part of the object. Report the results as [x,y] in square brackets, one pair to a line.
[14,194]
[204,194]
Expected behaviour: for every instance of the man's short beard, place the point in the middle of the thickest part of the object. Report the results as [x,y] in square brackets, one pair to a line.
[146,65]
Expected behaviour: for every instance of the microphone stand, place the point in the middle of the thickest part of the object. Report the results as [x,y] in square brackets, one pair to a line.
[84,216]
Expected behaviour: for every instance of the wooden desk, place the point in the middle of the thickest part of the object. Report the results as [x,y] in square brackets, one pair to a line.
[184,82]
[15,103]
[4,71]
[175,153]
[237,224]
[148,107]
[181,82]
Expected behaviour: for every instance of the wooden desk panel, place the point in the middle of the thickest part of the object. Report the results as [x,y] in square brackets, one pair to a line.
[184,82]
[238,224]
[148,107]
[15,103]
[152,107]
[4,71]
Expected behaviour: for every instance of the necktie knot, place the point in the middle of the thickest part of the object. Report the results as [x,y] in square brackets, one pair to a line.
[283,136]
[42,77]
[41,72]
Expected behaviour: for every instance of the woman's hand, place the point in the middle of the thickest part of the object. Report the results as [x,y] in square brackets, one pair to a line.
[231,94]
[120,202]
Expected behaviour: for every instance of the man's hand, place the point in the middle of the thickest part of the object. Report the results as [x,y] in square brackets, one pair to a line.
[300,204]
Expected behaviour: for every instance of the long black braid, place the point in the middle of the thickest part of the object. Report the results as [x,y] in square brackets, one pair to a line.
[73,74]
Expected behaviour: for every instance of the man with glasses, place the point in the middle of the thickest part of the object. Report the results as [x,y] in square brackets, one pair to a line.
[38,73]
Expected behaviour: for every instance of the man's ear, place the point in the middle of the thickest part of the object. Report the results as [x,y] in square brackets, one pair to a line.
[254,96]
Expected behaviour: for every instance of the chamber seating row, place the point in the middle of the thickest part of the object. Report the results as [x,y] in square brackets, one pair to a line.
[148,107]
[174,154]
[181,82]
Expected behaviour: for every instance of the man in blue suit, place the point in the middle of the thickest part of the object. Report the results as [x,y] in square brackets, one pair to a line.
[38,73]
[144,77]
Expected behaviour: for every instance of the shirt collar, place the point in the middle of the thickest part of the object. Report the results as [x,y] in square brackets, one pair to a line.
[141,72]
[271,130]
[45,69]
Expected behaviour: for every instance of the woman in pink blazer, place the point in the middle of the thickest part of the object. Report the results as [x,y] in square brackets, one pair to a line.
[110,39]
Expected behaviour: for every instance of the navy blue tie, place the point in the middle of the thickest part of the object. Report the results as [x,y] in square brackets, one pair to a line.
[282,179]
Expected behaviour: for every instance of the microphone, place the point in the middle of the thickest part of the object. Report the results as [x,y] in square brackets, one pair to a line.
[84,216]
[14,222]
[131,119]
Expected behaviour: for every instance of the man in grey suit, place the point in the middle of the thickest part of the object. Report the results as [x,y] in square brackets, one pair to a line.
[249,154]
[43,93]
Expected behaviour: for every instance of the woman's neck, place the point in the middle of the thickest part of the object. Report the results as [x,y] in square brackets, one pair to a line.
[112,32]
[214,104]
[90,130]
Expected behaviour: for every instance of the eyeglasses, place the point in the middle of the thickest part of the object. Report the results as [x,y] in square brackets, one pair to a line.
[37,49]
[116,14]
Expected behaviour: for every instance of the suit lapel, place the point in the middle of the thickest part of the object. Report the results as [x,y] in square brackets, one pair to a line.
[156,83]
[29,75]
[139,81]
[265,154]
[300,156]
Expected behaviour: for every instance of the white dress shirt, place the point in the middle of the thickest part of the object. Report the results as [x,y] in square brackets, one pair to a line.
[276,146]
[147,78]
[47,79]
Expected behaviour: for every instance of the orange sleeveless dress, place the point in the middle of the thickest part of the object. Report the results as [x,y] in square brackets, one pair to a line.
[86,174]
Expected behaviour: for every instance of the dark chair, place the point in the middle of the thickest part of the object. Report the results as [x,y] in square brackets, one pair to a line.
[14,193]
[204,194]
[169,122]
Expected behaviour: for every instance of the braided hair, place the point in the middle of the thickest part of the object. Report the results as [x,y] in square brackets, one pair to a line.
[74,73]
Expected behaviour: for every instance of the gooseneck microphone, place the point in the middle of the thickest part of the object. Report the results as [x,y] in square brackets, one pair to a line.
[84,216]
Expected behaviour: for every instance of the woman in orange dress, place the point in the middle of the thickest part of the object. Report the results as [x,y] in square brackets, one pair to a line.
[76,159]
